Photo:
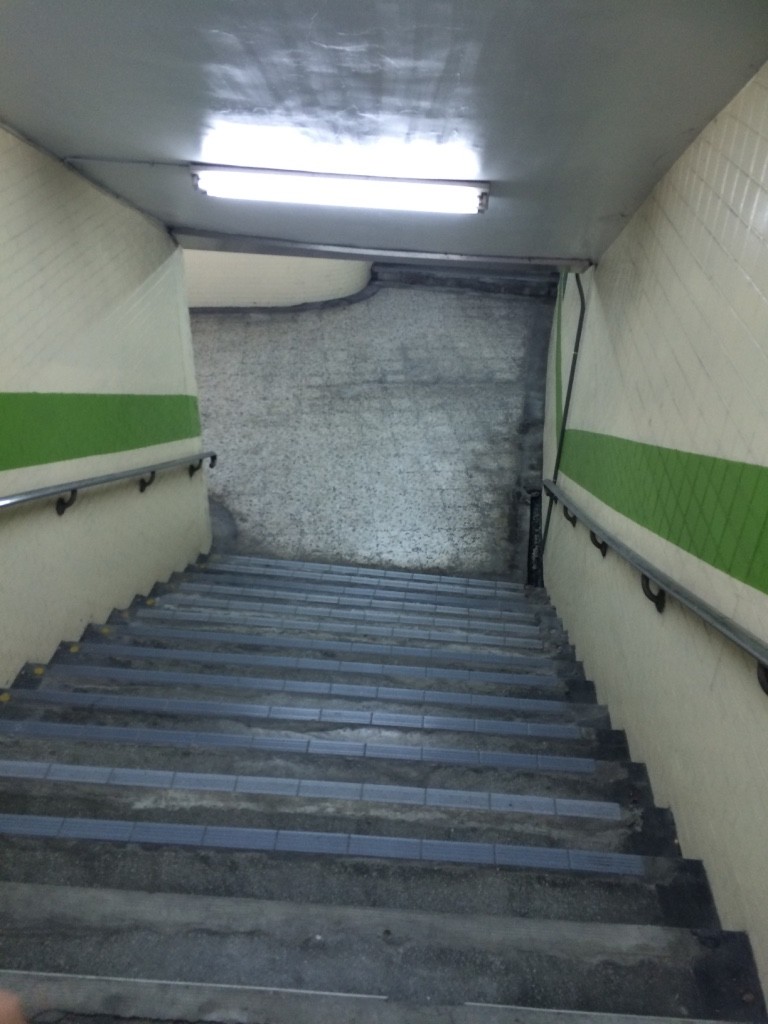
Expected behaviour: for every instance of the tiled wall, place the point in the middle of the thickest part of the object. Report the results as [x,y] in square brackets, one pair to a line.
[667,447]
[242,279]
[96,375]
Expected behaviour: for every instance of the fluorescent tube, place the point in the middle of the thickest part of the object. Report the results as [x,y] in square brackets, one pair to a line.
[337,190]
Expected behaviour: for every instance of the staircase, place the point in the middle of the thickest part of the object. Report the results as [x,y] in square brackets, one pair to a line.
[290,793]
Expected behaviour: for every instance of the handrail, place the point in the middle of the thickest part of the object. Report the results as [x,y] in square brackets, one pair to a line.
[73,486]
[649,574]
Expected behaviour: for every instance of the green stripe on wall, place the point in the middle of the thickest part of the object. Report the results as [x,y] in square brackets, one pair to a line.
[713,508]
[37,427]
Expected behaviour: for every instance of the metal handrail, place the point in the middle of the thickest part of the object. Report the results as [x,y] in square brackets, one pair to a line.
[650,574]
[146,476]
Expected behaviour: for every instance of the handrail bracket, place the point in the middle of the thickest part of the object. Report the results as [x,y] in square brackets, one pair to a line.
[63,504]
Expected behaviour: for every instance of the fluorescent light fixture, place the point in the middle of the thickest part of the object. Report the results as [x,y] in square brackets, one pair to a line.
[339,190]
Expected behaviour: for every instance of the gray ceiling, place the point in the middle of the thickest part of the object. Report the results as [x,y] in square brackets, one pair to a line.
[571,109]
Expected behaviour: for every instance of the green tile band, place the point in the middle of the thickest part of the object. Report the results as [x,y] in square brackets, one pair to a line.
[716,509]
[37,427]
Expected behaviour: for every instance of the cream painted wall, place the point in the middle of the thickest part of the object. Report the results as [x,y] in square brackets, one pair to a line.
[242,279]
[91,302]
[675,354]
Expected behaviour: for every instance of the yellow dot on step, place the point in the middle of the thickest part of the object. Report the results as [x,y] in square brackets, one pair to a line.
[5,697]
[38,670]
[150,601]
[74,648]
[105,630]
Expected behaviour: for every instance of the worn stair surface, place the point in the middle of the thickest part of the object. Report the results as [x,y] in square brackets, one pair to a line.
[283,792]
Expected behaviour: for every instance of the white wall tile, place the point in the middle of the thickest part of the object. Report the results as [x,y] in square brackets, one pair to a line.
[675,354]
[91,300]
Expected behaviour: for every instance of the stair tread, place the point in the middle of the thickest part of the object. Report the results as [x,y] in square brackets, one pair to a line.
[479,699]
[377,749]
[437,585]
[299,569]
[238,638]
[232,914]
[173,597]
[111,997]
[423,958]
[268,713]
[267,840]
[446,610]
[523,638]
[542,676]
[268,785]
[383,589]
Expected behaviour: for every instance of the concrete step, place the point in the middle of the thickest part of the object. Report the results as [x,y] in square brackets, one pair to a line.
[380,871]
[181,596]
[111,998]
[273,836]
[297,757]
[220,637]
[107,708]
[457,817]
[72,673]
[322,804]
[289,741]
[541,672]
[437,588]
[363,572]
[522,639]
[45,776]
[413,957]
[474,603]
[448,610]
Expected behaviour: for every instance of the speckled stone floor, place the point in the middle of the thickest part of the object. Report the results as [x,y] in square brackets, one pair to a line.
[401,430]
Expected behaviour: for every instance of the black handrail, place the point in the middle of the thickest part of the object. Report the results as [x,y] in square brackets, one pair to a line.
[650,574]
[71,488]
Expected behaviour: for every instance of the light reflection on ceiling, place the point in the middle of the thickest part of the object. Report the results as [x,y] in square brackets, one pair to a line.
[283,147]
